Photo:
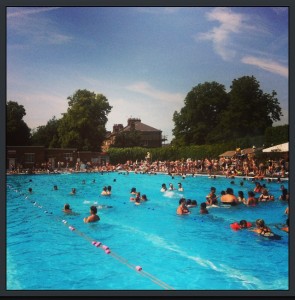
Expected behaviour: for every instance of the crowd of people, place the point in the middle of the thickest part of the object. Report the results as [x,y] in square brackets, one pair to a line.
[227,166]
[227,197]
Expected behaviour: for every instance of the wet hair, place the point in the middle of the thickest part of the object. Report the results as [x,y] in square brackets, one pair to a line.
[243,223]
[241,193]
[213,188]
[251,194]
[182,200]
[188,201]
[30,190]
[67,206]
[133,190]
[260,222]
[93,209]
[109,188]
[203,205]
[144,196]
[222,192]
[229,191]
[194,202]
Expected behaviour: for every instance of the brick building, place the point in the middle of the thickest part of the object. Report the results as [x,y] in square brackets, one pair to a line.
[35,157]
[149,137]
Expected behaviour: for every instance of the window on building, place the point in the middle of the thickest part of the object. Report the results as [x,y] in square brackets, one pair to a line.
[29,157]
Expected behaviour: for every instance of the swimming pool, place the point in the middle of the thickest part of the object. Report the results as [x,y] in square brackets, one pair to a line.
[151,248]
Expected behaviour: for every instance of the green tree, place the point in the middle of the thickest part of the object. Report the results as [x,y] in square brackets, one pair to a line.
[47,135]
[250,110]
[17,131]
[200,115]
[276,135]
[83,126]
[127,139]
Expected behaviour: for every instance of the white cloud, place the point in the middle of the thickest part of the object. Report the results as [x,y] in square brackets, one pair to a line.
[146,89]
[20,12]
[230,23]
[266,64]
[37,29]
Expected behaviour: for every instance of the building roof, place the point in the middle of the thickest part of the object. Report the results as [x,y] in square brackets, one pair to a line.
[228,153]
[278,148]
[140,127]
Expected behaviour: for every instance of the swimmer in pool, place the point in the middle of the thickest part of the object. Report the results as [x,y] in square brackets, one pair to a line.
[182,208]
[264,230]
[93,215]
[67,209]
[203,208]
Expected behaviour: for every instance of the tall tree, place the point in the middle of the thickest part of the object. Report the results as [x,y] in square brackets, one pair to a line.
[47,135]
[17,131]
[83,126]
[250,110]
[276,135]
[201,113]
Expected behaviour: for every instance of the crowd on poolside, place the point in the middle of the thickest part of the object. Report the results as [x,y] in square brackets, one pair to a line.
[236,166]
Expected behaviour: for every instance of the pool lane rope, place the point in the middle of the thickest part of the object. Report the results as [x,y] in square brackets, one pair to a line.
[99,244]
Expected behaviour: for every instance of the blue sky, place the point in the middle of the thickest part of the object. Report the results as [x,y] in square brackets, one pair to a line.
[144,60]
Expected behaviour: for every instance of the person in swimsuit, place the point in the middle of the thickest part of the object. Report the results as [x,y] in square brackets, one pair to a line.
[264,230]
[229,197]
[104,191]
[93,215]
[265,196]
[182,208]
[251,201]
[164,187]
[211,197]
[203,208]
[180,187]
[67,209]
[241,197]
[258,188]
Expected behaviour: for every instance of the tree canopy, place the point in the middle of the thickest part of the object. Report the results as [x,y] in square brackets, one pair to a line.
[17,131]
[47,135]
[83,125]
[211,115]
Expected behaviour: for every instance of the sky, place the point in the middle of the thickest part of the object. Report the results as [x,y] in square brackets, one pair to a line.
[144,60]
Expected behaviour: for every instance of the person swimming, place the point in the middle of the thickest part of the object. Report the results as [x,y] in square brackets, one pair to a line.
[264,230]
[182,208]
[93,215]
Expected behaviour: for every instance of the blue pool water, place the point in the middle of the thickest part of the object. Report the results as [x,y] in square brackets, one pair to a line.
[191,252]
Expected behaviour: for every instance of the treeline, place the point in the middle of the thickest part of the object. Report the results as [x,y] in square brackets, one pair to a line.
[273,136]
[211,121]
